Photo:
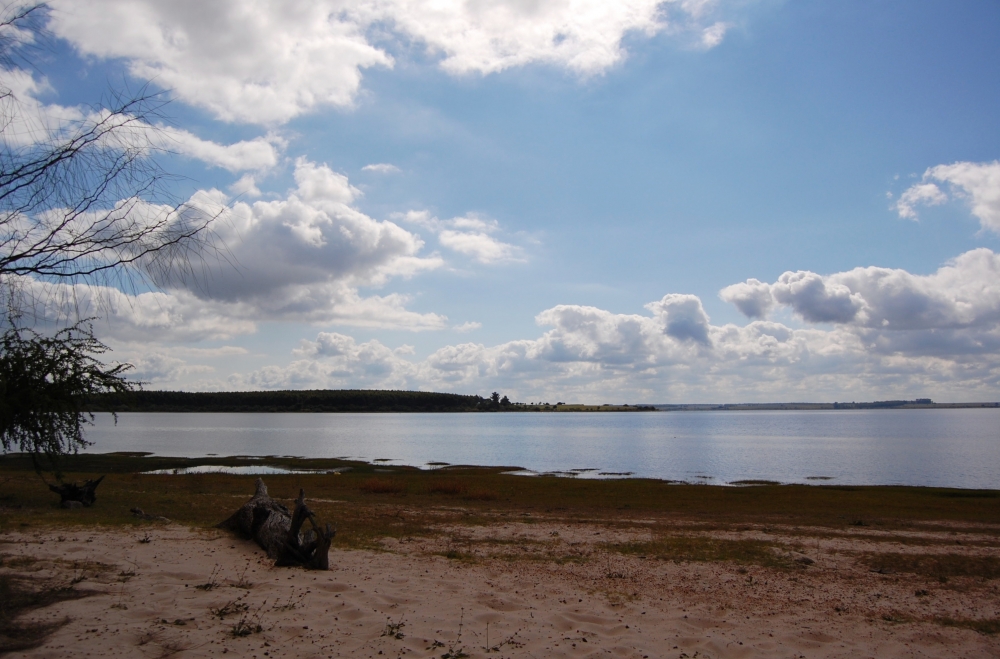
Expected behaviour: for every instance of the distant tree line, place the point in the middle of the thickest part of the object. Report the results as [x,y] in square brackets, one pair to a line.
[321,400]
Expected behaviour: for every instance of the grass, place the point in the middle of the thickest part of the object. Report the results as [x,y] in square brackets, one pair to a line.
[680,548]
[367,505]
[985,626]
[937,566]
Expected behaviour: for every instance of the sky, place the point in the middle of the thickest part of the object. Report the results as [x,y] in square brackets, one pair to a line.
[562,200]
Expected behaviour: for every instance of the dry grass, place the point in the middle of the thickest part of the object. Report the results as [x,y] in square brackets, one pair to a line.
[681,548]
[986,626]
[367,505]
[937,566]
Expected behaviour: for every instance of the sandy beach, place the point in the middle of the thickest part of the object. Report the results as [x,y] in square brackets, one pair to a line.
[517,588]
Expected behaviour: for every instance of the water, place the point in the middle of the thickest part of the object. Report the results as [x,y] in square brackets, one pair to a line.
[935,447]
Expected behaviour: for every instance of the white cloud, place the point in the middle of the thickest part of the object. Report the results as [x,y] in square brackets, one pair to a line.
[381,168]
[962,294]
[333,360]
[260,63]
[898,335]
[817,299]
[267,63]
[301,258]
[481,247]
[713,35]
[304,257]
[468,235]
[753,298]
[32,122]
[927,194]
[978,183]
[255,154]
[467,326]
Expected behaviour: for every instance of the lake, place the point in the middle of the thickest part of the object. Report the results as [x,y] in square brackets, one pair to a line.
[934,447]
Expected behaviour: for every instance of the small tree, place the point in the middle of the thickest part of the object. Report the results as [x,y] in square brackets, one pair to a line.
[80,202]
[44,385]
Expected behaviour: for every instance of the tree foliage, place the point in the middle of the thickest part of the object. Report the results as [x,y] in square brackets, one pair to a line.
[44,384]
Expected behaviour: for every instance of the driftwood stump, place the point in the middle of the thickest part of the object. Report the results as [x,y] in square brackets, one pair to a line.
[72,495]
[279,533]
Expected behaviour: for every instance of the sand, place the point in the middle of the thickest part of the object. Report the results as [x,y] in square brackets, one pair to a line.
[504,597]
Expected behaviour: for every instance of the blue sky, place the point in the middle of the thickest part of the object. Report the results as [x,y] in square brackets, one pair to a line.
[688,201]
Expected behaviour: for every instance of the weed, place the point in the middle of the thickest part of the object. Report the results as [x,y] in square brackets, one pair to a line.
[242,581]
[250,622]
[291,603]
[394,629]
[456,650]
[230,608]
[213,580]
[510,640]
[145,539]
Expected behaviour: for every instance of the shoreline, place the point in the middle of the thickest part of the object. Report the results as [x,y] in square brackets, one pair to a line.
[556,567]
[149,463]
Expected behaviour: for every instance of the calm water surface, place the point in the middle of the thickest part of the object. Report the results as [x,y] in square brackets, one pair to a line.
[952,448]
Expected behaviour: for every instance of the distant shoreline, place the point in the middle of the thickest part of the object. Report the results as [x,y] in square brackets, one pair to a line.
[363,400]
[876,405]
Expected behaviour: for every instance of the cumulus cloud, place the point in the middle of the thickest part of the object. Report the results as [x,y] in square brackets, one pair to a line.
[268,63]
[305,256]
[260,63]
[753,298]
[977,183]
[817,299]
[963,293]
[891,334]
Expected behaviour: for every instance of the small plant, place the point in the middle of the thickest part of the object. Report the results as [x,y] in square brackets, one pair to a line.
[242,581]
[291,603]
[510,640]
[213,580]
[250,622]
[393,629]
[230,608]
[459,652]
[145,539]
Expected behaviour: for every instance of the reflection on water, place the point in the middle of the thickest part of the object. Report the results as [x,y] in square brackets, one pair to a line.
[949,448]
[253,470]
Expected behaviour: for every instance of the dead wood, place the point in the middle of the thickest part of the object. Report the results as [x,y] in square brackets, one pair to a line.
[280,533]
[71,493]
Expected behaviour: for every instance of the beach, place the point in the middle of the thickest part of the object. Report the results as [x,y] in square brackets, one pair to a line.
[516,586]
